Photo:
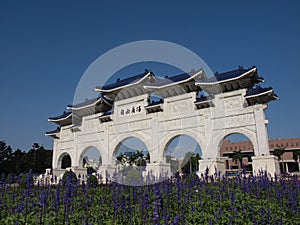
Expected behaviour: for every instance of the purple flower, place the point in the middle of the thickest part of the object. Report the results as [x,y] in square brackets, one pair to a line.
[175,221]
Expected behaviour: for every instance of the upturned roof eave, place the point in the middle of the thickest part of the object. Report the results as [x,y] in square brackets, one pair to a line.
[51,119]
[99,89]
[174,83]
[89,105]
[228,80]
[262,93]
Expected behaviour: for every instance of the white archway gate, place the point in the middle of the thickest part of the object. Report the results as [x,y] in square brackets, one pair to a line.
[233,105]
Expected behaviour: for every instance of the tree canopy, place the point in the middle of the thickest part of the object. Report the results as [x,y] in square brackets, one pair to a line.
[38,159]
[237,158]
[190,162]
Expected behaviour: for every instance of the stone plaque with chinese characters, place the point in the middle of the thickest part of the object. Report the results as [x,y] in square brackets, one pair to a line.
[130,110]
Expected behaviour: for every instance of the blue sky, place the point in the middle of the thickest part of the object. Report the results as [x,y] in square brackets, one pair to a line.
[45,47]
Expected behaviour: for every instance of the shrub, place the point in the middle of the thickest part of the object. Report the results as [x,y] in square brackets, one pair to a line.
[192,179]
[92,181]
[69,175]
[133,176]
[26,180]
[91,170]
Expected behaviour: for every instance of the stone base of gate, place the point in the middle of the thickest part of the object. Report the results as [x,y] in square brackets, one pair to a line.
[81,173]
[267,163]
[157,171]
[106,173]
[213,165]
[58,173]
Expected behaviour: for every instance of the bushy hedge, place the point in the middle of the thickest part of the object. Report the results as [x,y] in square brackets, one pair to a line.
[69,176]
[92,181]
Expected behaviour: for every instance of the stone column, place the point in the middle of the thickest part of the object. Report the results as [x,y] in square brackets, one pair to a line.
[158,171]
[262,159]
[54,154]
[153,145]
[106,172]
[267,163]
[261,131]
[107,157]
[213,166]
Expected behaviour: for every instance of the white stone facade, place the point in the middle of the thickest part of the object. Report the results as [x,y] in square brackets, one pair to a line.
[228,113]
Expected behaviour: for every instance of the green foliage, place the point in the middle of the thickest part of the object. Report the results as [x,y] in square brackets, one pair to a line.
[296,155]
[37,159]
[92,181]
[26,180]
[190,162]
[69,175]
[133,176]
[192,179]
[137,159]
[233,201]
[5,157]
[90,170]
[237,158]
[279,152]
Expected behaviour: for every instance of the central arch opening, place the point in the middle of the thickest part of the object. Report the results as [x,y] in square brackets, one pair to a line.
[131,158]
[183,153]
[132,151]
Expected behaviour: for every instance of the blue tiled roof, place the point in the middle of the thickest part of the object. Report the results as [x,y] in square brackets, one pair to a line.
[64,115]
[86,102]
[229,75]
[172,79]
[120,83]
[89,102]
[180,77]
[258,90]
[54,131]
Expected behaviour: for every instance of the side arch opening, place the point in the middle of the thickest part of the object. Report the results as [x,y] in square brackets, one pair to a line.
[238,151]
[64,161]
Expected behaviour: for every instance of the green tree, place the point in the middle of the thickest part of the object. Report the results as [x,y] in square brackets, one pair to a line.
[132,159]
[90,170]
[279,152]
[121,159]
[140,161]
[147,157]
[17,161]
[69,175]
[5,158]
[197,158]
[92,181]
[190,162]
[296,157]
[38,159]
[237,157]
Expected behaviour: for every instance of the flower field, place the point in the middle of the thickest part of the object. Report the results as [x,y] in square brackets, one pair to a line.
[209,200]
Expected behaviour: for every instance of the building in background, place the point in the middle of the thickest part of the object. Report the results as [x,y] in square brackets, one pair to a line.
[289,162]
